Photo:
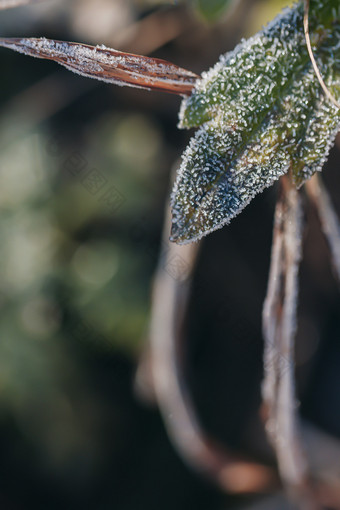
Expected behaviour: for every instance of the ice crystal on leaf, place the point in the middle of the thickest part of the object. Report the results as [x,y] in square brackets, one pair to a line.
[261,113]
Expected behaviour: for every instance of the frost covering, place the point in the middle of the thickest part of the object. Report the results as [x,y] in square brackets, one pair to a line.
[261,113]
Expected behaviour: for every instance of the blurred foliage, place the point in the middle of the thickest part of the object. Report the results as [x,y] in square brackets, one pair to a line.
[212,10]
[209,10]
[265,11]
[50,194]
[78,248]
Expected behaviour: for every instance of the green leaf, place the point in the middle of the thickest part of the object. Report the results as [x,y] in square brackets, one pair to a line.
[261,113]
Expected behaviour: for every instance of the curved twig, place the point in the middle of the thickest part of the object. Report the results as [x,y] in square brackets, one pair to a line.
[311,55]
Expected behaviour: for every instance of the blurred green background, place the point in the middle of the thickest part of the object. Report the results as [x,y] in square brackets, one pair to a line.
[84,175]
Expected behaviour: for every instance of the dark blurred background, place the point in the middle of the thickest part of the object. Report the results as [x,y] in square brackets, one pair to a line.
[84,175]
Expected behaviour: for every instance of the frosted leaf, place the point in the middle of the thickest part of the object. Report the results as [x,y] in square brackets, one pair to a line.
[108,65]
[261,113]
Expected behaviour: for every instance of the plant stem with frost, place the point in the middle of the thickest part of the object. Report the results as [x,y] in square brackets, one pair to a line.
[279,326]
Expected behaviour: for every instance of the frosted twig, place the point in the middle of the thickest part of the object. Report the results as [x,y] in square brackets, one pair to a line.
[279,324]
[109,65]
[312,58]
[329,219]
[169,305]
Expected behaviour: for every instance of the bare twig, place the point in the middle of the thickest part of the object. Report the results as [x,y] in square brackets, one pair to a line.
[311,55]
[109,65]
[329,219]
[279,324]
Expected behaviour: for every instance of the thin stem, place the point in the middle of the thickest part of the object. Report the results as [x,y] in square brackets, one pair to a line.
[328,217]
[311,55]
[279,325]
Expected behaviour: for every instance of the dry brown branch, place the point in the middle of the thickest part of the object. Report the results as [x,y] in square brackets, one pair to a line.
[109,65]
[279,324]
[328,217]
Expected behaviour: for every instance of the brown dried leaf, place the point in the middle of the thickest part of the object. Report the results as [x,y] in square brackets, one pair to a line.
[108,65]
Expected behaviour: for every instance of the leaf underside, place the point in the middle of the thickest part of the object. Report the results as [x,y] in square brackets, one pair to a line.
[261,113]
